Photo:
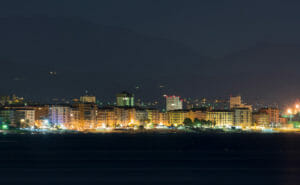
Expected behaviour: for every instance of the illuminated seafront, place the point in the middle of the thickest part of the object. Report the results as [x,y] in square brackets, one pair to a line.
[152,131]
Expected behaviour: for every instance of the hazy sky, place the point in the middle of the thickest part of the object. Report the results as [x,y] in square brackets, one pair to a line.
[212,27]
[253,47]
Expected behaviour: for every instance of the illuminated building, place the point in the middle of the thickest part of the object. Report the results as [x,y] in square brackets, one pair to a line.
[176,117]
[153,116]
[126,116]
[121,117]
[199,113]
[59,115]
[203,102]
[261,119]
[4,100]
[7,100]
[242,117]
[7,117]
[173,103]
[16,100]
[41,112]
[220,118]
[106,117]
[88,99]
[125,99]
[164,118]
[74,119]
[87,115]
[283,121]
[236,102]
[25,118]
[273,114]
[141,116]
[20,117]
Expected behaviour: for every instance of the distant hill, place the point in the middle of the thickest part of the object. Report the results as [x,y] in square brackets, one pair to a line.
[83,45]
[101,57]
[266,69]
[106,60]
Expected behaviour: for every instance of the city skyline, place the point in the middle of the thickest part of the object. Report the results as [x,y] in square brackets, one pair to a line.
[86,113]
[152,92]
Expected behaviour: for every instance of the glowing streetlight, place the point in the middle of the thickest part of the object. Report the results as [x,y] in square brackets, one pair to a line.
[290,112]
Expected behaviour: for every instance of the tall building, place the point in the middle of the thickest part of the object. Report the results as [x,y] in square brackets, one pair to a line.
[87,115]
[125,99]
[74,119]
[173,103]
[59,115]
[106,117]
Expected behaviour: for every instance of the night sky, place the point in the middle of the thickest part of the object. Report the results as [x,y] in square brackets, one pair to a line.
[191,48]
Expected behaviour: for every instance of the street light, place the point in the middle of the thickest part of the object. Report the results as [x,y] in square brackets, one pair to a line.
[290,112]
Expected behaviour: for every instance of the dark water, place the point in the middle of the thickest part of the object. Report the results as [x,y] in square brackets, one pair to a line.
[232,159]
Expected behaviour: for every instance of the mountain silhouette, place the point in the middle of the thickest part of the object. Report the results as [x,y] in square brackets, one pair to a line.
[87,55]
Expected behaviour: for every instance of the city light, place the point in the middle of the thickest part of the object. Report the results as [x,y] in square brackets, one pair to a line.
[86,115]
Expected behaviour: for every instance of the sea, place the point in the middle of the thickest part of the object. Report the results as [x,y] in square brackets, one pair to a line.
[135,158]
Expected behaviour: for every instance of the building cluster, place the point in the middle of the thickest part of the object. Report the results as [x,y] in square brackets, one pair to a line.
[85,114]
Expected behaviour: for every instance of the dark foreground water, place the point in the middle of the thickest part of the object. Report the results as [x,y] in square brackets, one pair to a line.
[119,158]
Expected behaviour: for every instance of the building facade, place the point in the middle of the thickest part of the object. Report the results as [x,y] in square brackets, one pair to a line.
[176,117]
[261,119]
[273,114]
[173,103]
[88,99]
[59,115]
[242,117]
[153,116]
[220,118]
[200,114]
[125,99]
[236,102]
[25,118]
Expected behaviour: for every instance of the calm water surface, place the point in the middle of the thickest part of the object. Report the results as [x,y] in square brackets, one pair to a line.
[120,158]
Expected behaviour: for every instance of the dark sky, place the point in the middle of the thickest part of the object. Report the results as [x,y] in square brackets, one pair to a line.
[244,43]
[213,27]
